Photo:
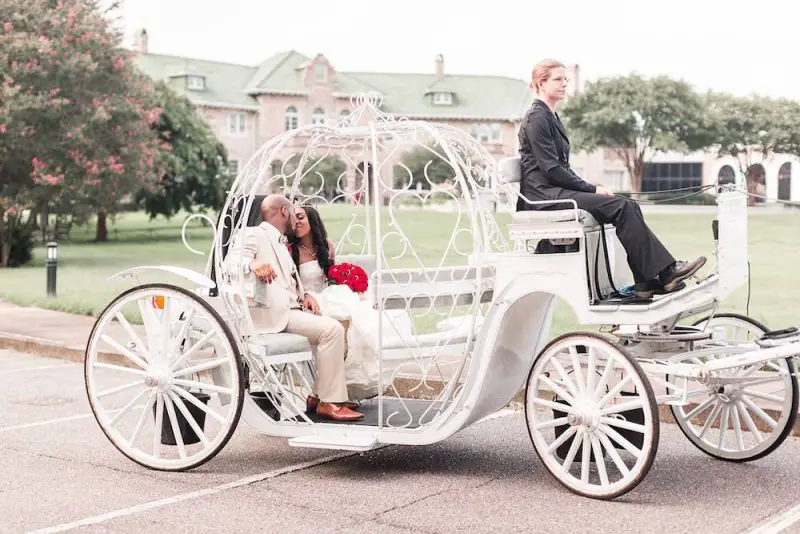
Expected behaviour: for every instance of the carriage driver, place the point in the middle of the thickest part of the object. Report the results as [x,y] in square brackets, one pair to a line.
[287,307]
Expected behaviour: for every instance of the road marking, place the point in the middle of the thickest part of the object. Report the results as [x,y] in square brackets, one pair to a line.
[47,422]
[779,522]
[93,520]
[40,368]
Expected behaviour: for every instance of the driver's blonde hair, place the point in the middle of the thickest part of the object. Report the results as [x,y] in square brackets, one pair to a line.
[542,70]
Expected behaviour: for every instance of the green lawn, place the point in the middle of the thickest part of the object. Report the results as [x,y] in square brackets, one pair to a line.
[133,240]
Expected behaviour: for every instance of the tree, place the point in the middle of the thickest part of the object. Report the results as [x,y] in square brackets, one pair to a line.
[75,114]
[423,166]
[636,117]
[193,161]
[322,174]
[753,127]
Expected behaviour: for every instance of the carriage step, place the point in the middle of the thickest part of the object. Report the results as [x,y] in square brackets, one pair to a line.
[359,443]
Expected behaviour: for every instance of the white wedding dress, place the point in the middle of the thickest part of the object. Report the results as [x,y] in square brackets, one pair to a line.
[341,303]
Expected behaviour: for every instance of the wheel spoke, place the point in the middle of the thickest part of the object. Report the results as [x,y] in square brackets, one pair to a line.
[120,368]
[151,400]
[599,460]
[558,390]
[759,412]
[612,451]
[576,365]
[192,399]
[613,393]
[195,348]
[550,424]
[751,425]
[585,458]
[764,396]
[187,322]
[627,425]
[158,425]
[700,408]
[204,366]
[711,418]
[202,386]
[124,351]
[624,407]
[627,445]
[119,389]
[173,422]
[737,427]
[137,341]
[723,426]
[568,433]
[609,368]
[191,420]
[552,405]
[573,450]
[564,377]
[165,327]
[127,407]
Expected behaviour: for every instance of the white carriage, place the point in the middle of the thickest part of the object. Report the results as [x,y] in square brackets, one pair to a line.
[169,393]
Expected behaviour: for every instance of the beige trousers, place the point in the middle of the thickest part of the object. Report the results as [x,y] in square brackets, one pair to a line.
[326,336]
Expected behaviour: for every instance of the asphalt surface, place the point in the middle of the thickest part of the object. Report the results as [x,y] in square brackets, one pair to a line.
[58,472]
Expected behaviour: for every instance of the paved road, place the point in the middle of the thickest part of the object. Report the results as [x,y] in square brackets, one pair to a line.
[57,471]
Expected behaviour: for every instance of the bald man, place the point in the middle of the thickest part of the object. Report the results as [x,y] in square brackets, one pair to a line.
[282,305]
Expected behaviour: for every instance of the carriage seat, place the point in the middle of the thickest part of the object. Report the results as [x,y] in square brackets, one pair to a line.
[510,172]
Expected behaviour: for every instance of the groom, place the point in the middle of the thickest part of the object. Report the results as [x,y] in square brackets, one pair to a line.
[286,307]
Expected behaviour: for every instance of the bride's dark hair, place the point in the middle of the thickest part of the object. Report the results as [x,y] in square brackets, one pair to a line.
[319,237]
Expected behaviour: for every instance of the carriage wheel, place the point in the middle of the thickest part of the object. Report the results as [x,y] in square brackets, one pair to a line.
[591,415]
[167,393]
[745,421]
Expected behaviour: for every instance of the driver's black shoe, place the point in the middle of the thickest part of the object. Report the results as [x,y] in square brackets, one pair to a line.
[673,275]
[646,290]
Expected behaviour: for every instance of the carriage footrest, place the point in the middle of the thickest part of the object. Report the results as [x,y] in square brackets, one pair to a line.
[345,443]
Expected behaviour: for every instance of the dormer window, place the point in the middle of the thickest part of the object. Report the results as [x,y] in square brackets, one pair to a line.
[320,71]
[443,99]
[195,83]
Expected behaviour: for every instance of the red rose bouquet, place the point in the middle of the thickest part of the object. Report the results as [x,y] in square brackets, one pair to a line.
[350,275]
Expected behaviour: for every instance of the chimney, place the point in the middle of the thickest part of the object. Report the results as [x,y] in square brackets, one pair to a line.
[141,41]
[439,67]
[575,79]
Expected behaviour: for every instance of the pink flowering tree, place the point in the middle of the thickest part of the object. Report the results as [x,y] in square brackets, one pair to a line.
[76,116]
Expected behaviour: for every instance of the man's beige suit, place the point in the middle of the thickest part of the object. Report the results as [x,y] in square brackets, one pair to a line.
[278,308]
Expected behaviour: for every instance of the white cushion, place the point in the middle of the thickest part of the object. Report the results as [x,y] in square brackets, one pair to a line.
[278,344]
[510,170]
[552,216]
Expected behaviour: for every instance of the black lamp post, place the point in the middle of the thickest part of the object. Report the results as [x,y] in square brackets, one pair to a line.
[52,265]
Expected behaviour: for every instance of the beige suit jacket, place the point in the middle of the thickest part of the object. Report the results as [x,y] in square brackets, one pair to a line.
[272,301]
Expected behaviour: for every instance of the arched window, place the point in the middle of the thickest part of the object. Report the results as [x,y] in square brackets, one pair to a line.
[318,116]
[344,113]
[291,118]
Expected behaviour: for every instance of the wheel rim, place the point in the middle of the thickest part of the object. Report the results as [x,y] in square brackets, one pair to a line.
[166,401]
[587,399]
[732,328]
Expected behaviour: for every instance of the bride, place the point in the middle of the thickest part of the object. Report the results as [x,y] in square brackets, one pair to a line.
[313,254]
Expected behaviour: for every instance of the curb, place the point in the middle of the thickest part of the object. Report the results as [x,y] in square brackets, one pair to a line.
[413,388]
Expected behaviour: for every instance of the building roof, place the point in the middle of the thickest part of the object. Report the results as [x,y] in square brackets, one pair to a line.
[228,85]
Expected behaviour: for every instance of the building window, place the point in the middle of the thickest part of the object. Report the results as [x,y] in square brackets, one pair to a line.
[442,99]
[344,113]
[233,166]
[318,116]
[291,119]
[236,123]
[615,180]
[195,83]
[496,133]
[320,70]
[664,176]
[481,132]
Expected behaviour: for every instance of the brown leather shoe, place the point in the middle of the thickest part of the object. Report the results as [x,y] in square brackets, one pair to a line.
[337,412]
[312,402]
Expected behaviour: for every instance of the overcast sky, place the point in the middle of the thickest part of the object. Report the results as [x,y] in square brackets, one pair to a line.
[739,46]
